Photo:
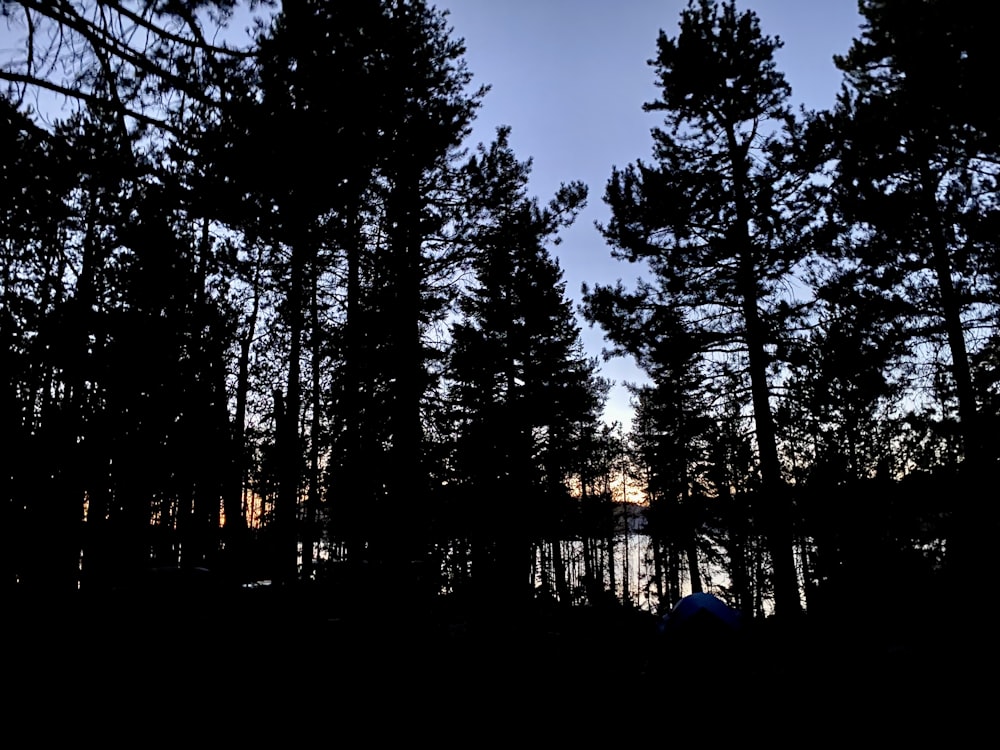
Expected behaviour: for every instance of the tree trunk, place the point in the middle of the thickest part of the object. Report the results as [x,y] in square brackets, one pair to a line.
[286,508]
[778,515]
[974,529]
[313,498]
[236,521]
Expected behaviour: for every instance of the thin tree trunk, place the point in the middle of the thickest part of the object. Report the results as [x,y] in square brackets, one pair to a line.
[778,521]
[313,498]
[236,516]
[286,510]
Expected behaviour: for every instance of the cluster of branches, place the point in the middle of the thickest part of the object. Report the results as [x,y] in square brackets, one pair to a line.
[132,60]
[818,314]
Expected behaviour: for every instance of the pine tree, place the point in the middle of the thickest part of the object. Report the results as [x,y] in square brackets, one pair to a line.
[671,412]
[319,81]
[915,187]
[710,221]
[524,392]
[428,110]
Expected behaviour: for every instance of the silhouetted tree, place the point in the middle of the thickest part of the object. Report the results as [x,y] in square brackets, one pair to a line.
[429,108]
[709,217]
[35,186]
[915,185]
[524,393]
[671,413]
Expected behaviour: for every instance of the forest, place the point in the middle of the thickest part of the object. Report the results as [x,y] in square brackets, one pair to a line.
[267,312]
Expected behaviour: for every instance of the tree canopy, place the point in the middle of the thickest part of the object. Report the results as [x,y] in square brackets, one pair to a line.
[266,311]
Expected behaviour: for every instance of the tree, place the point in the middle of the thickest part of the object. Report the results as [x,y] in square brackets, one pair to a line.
[429,108]
[318,76]
[524,392]
[712,218]
[35,187]
[672,414]
[915,189]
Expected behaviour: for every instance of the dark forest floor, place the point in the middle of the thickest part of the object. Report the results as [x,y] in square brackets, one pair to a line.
[266,655]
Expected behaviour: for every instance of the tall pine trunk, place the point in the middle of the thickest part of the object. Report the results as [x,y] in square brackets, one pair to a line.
[778,514]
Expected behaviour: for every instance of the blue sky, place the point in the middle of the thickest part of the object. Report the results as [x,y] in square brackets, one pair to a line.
[570,78]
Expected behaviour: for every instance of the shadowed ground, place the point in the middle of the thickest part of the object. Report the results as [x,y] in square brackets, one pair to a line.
[293,658]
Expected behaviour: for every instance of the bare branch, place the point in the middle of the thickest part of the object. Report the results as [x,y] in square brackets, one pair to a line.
[126,46]
[90,99]
[199,42]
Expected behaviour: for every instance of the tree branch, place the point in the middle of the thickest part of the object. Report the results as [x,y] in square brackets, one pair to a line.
[90,99]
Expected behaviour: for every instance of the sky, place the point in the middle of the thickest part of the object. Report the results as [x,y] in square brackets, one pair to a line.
[570,78]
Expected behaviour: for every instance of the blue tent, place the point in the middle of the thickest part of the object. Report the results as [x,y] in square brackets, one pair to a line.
[703,611]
